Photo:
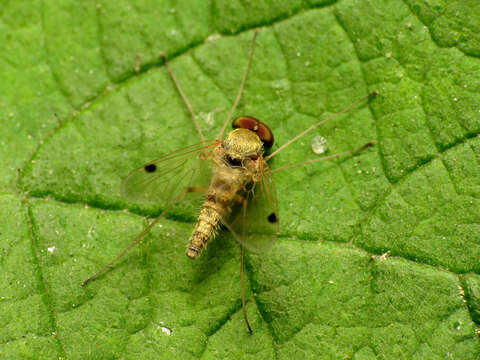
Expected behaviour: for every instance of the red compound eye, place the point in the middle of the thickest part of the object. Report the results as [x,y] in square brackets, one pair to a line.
[262,130]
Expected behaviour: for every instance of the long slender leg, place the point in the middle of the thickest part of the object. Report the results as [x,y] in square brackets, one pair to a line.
[137,240]
[242,275]
[314,126]
[242,270]
[349,152]
[242,85]
[184,97]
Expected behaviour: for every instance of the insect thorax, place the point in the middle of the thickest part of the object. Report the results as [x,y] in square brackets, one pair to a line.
[242,143]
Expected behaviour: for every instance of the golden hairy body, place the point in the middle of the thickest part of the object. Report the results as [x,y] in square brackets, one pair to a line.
[236,166]
[240,177]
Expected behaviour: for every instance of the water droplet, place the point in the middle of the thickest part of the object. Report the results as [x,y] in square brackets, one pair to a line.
[166,330]
[319,145]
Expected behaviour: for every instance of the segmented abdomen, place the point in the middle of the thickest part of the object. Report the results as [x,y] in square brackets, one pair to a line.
[221,195]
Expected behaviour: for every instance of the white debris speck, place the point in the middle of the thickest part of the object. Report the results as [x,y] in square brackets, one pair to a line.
[331,282]
[384,256]
[51,249]
[90,231]
[455,99]
[319,145]
[388,55]
[281,84]
[172,11]
[298,53]
[213,37]
[209,117]
[307,63]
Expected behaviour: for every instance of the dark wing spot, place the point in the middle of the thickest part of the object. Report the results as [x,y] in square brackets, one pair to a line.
[150,168]
[272,218]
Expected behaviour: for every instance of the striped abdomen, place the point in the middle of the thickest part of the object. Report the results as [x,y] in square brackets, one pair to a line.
[222,194]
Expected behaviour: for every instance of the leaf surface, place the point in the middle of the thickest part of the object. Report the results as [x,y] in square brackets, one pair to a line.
[379,252]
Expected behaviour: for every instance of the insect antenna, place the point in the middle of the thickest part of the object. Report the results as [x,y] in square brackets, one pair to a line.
[242,269]
[314,126]
[349,152]
[183,96]
[242,85]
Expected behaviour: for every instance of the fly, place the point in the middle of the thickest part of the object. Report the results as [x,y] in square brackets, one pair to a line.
[232,174]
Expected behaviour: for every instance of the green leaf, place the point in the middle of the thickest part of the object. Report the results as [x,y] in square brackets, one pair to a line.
[379,253]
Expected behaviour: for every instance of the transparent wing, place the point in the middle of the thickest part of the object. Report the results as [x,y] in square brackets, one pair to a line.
[162,179]
[255,222]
